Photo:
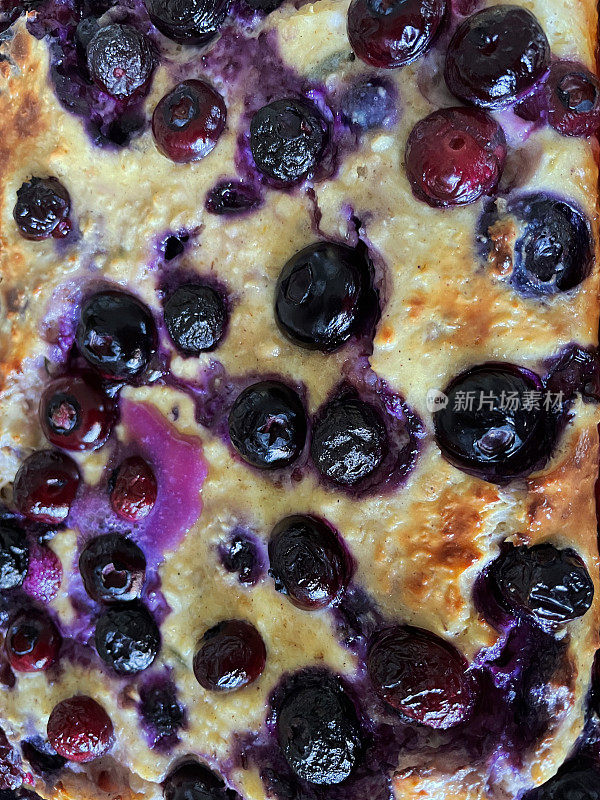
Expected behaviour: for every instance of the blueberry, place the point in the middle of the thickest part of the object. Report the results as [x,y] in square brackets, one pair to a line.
[287,139]
[195,316]
[553,247]
[127,638]
[308,562]
[188,121]
[489,429]
[267,425]
[193,781]
[368,104]
[45,486]
[318,729]
[42,209]
[116,334]
[421,675]
[14,555]
[264,5]
[241,556]
[349,441]
[120,60]
[454,156]
[573,99]
[32,641]
[231,655]
[577,779]
[112,568]
[188,21]
[496,56]
[392,33]
[85,31]
[161,711]
[549,585]
[232,197]
[44,761]
[322,295]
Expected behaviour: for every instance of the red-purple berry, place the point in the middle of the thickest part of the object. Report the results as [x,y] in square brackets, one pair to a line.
[44,575]
[80,730]
[134,489]
[392,33]
[232,654]
[454,156]
[188,122]
[45,486]
[76,414]
[32,641]
[573,99]
[421,675]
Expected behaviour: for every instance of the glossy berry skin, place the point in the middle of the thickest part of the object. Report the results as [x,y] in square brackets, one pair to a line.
[196,317]
[80,730]
[32,641]
[320,296]
[42,209]
[232,654]
[454,156]
[308,562]
[349,441]
[134,489]
[287,140]
[188,21]
[318,729]
[552,251]
[368,105]
[421,675]
[188,122]
[392,33]
[76,414]
[120,60]
[232,197]
[496,56]
[116,334]
[14,555]
[573,99]
[127,638]
[492,442]
[113,568]
[194,781]
[241,556]
[549,585]
[45,486]
[267,425]
[577,779]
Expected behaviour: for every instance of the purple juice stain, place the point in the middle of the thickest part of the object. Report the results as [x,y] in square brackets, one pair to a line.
[161,713]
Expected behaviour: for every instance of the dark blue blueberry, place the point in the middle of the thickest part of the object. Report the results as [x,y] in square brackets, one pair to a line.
[553,250]
[120,60]
[188,21]
[322,295]
[241,556]
[267,425]
[349,441]
[492,426]
[368,104]
[318,729]
[42,209]
[195,316]
[44,761]
[496,56]
[577,779]
[550,585]
[162,712]
[264,5]
[85,31]
[127,638]
[112,568]
[14,555]
[231,655]
[116,334]
[174,246]
[287,139]
[232,197]
[194,781]
[308,561]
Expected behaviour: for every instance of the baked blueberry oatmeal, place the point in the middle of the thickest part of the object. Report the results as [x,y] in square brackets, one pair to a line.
[299,388]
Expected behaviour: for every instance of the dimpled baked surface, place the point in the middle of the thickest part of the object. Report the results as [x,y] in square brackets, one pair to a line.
[420,535]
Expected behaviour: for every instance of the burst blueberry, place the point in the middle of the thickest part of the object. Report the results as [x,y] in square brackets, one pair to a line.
[191,780]
[368,104]
[232,197]
[113,568]
[195,316]
[42,209]
[573,99]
